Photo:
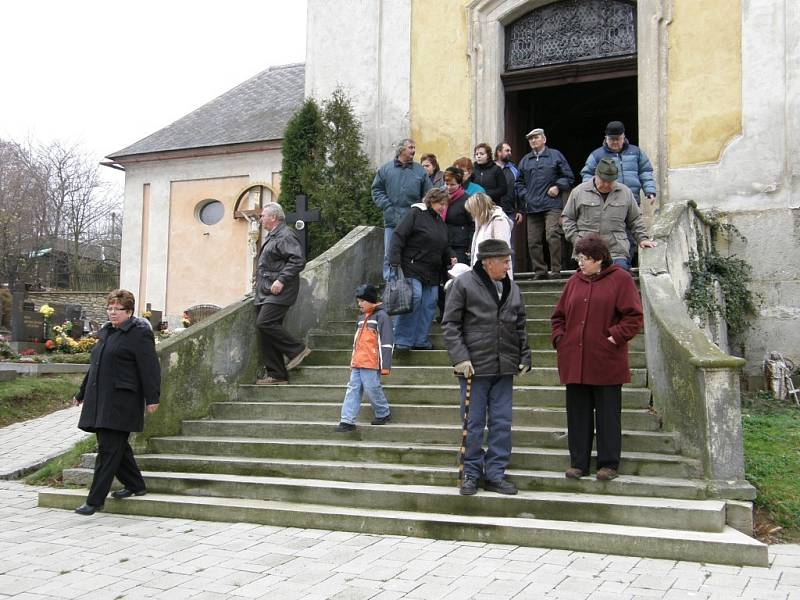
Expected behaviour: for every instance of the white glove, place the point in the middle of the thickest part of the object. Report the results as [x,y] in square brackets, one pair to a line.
[522,369]
[464,368]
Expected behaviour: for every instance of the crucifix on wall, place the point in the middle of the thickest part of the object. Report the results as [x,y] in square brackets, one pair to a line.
[300,218]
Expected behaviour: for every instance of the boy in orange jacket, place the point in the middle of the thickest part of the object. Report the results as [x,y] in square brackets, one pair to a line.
[372,357]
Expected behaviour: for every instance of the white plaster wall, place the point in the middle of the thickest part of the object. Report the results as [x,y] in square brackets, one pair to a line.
[364,46]
[259,166]
[757,180]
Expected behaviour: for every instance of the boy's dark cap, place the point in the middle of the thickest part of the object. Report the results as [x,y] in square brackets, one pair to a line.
[615,128]
[367,292]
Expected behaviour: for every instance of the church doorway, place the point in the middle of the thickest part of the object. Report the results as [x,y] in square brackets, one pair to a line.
[570,67]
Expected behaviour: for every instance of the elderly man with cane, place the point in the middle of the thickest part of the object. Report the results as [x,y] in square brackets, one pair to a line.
[485,332]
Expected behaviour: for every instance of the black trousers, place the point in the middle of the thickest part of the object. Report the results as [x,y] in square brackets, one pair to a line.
[591,407]
[276,342]
[114,459]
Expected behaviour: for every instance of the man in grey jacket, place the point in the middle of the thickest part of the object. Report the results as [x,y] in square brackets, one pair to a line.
[277,284]
[397,185]
[604,206]
[485,332]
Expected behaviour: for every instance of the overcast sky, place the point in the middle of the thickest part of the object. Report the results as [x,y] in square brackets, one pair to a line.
[106,74]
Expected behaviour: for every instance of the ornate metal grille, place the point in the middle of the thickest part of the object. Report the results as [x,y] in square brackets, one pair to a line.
[571,30]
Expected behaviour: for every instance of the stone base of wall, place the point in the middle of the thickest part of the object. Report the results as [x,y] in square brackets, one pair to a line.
[93,303]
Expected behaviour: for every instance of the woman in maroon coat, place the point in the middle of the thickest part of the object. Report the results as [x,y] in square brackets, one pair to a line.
[598,313]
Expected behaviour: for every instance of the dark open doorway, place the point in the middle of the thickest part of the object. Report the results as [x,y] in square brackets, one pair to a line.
[574,116]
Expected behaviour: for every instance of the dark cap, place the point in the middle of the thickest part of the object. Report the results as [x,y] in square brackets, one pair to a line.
[615,128]
[607,170]
[491,248]
[367,292]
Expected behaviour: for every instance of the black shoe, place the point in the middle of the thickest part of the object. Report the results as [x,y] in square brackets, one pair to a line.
[381,420]
[343,427]
[541,276]
[469,486]
[402,349]
[87,509]
[501,486]
[126,493]
[422,347]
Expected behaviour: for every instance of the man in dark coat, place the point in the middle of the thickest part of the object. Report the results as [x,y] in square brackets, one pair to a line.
[485,332]
[543,174]
[277,284]
[123,381]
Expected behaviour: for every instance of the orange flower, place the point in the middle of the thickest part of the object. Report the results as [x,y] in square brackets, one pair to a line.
[49,344]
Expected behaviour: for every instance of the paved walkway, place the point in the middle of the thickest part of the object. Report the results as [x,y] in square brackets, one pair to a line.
[47,554]
[28,445]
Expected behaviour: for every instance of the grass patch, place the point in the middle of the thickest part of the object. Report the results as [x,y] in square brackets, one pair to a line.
[29,397]
[772,462]
[51,474]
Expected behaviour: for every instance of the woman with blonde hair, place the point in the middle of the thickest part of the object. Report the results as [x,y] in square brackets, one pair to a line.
[491,223]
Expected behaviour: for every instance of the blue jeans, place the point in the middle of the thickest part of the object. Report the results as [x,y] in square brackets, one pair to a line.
[364,380]
[387,240]
[490,396]
[411,329]
[624,263]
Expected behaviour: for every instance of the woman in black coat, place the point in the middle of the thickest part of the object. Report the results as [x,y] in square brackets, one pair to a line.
[419,246]
[488,175]
[123,382]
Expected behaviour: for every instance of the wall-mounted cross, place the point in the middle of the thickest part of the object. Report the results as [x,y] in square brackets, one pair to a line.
[300,218]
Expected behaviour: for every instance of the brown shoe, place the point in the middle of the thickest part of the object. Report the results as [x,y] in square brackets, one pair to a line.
[295,361]
[606,474]
[573,473]
[271,381]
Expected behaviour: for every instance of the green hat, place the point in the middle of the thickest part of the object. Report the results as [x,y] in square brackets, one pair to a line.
[607,170]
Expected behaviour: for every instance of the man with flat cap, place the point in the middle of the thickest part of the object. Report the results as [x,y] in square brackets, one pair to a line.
[635,169]
[486,337]
[543,174]
[606,207]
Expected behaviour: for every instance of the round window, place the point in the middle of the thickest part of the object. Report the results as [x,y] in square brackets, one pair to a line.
[210,212]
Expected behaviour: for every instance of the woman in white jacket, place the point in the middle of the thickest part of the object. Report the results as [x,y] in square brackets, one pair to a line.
[490,223]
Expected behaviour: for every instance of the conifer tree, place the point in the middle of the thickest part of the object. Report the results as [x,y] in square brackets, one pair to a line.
[323,159]
[303,154]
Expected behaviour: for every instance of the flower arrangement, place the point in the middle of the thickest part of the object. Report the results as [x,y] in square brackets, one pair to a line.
[186,321]
[147,314]
[47,311]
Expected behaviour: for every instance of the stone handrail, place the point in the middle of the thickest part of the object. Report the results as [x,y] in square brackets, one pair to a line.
[207,362]
[695,385]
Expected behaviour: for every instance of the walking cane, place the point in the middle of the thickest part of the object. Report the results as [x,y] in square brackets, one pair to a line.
[464,432]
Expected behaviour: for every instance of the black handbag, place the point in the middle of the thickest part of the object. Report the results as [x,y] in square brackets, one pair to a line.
[397,294]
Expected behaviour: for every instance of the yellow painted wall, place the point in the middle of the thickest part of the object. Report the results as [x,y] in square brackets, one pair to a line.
[440,87]
[206,264]
[704,105]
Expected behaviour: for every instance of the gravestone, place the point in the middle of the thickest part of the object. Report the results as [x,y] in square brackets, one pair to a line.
[28,325]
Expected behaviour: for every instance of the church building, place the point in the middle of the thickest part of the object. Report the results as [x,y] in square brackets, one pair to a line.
[709,90]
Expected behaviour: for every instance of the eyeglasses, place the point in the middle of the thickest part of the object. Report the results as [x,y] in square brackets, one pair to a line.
[115,309]
[583,259]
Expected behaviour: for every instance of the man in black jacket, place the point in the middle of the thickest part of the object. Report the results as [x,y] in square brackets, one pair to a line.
[277,283]
[543,174]
[485,332]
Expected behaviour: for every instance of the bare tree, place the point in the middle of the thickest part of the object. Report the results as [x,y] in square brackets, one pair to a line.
[78,203]
[19,193]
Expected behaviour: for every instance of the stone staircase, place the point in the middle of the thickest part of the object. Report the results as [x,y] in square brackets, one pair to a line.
[270,456]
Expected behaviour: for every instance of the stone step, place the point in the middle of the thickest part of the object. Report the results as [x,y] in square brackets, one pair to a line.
[537,341]
[432,358]
[448,412]
[541,325]
[544,437]
[696,515]
[437,375]
[421,394]
[726,547]
[644,464]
